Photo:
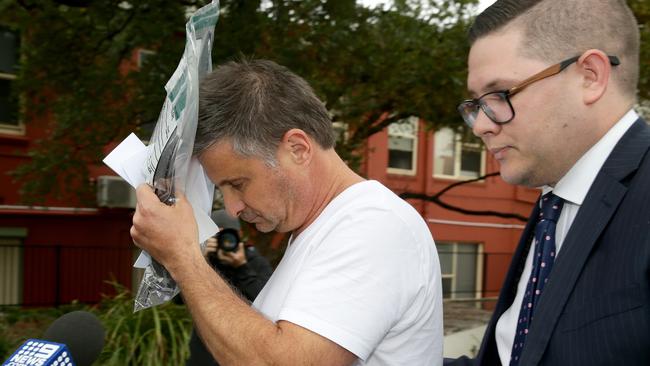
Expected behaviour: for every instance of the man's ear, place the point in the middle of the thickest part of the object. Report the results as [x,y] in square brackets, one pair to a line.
[595,68]
[298,146]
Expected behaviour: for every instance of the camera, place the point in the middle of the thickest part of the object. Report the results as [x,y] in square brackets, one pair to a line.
[228,240]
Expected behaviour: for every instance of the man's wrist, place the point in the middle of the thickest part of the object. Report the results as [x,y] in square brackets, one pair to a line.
[186,266]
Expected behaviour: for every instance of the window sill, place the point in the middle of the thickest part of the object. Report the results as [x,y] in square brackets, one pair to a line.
[401,172]
[11,139]
[449,178]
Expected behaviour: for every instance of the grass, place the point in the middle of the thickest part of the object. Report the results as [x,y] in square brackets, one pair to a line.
[154,336]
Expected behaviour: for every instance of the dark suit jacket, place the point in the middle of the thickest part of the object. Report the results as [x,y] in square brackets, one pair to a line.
[595,309]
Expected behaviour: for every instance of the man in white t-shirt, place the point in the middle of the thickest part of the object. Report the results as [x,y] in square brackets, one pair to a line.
[360,282]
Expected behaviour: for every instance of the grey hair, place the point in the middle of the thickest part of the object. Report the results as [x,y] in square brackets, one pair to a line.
[252,104]
[558,29]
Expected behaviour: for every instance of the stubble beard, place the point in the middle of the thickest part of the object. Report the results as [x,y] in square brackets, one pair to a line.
[285,197]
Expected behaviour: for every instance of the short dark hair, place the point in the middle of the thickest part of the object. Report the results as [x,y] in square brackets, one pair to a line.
[253,103]
[554,30]
[496,16]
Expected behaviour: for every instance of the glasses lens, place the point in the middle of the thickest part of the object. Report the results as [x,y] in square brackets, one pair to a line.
[468,110]
[496,107]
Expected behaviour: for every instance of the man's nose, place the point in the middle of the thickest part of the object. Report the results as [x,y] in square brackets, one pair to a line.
[483,125]
[234,204]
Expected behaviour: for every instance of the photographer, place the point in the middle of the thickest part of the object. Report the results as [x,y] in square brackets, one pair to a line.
[239,263]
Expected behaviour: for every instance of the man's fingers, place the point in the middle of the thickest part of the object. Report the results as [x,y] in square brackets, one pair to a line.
[146,197]
[143,190]
[134,235]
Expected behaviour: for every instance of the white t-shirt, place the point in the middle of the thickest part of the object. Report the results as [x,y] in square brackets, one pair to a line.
[366,275]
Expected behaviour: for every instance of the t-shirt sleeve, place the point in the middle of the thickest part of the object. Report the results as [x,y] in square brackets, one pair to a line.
[358,281]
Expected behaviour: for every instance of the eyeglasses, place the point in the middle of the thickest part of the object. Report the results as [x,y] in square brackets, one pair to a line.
[496,105]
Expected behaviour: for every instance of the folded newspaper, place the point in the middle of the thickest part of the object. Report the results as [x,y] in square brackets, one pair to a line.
[166,164]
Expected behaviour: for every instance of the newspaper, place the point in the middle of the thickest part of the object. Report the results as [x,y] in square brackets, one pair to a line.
[169,152]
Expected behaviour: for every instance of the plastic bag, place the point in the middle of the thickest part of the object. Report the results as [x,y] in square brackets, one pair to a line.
[172,142]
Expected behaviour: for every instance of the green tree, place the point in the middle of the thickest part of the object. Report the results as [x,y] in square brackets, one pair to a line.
[371,66]
[374,67]
[73,69]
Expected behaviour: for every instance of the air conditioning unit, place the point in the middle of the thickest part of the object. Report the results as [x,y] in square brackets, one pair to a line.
[113,191]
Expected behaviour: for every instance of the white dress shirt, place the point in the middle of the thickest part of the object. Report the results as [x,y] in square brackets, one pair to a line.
[573,188]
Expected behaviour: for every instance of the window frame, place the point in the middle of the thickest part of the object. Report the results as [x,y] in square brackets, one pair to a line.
[414,154]
[459,146]
[6,127]
[143,53]
[478,284]
[12,245]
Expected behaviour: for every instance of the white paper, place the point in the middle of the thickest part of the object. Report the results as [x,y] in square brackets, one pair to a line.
[128,147]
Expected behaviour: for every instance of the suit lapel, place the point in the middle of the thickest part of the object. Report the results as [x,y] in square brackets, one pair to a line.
[602,201]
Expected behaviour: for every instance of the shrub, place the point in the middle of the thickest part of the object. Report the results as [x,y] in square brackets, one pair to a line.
[155,336]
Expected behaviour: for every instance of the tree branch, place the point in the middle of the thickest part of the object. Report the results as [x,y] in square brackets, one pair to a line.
[463,182]
[436,199]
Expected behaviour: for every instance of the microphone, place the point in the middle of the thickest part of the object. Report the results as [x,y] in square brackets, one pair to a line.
[74,339]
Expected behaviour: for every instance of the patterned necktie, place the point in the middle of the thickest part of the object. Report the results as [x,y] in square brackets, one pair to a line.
[543,258]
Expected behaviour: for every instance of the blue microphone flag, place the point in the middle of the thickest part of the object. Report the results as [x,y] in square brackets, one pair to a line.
[37,352]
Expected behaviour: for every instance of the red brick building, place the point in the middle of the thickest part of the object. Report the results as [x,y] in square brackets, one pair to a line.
[58,251]
[475,251]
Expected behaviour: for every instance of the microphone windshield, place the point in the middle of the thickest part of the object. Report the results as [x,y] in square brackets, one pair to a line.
[82,332]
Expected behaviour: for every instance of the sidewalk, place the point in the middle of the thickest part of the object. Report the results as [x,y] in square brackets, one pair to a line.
[464,328]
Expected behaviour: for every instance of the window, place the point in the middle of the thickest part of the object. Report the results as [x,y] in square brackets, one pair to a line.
[143,56]
[455,157]
[461,265]
[11,265]
[9,47]
[402,146]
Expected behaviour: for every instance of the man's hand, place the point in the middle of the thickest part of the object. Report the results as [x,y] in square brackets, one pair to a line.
[233,259]
[167,233]
[210,246]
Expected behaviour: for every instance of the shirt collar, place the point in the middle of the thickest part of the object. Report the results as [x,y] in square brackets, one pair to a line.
[575,184]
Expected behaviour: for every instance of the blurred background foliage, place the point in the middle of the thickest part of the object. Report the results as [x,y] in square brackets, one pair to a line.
[371,66]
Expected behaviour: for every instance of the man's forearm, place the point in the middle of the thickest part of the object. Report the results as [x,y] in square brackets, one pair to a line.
[236,334]
[232,331]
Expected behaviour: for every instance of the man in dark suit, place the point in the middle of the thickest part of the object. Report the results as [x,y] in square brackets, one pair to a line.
[553,84]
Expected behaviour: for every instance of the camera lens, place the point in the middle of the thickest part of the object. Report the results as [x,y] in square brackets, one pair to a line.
[228,240]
